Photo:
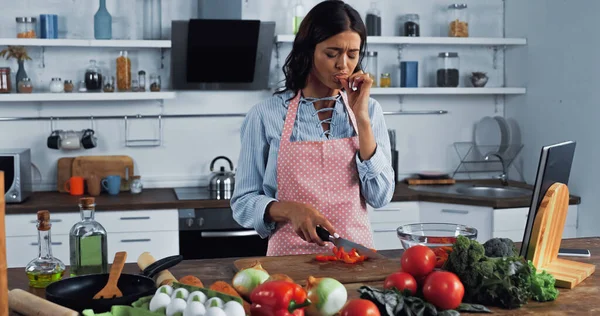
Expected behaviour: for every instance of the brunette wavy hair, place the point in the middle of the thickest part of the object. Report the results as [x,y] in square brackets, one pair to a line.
[324,20]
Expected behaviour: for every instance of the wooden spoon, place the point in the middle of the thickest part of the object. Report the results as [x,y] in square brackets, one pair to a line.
[111,290]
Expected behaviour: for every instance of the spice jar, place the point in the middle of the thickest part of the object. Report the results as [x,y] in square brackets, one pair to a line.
[56,85]
[109,84]
[371,68]
[134,86]
[154,83]
[411,26]
[82,87]
[123,71]
[458,20]
[136,185]
[93,77]
[448,70]
[68,86]
[26,27]
[5,83]
[385,81]
[142,81]
[25,86]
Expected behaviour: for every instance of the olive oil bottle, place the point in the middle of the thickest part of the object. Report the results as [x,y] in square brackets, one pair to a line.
[44,269]
[88,242]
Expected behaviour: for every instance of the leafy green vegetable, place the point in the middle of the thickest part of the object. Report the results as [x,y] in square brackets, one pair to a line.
[542,285]
[500,247]
[392,302]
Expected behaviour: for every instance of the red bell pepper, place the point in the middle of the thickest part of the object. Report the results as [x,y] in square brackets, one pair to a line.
[278,298]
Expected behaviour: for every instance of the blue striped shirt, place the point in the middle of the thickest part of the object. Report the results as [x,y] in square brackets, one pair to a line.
[256,175]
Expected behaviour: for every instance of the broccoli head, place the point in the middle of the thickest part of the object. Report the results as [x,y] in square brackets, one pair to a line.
[465,254]
[500,247]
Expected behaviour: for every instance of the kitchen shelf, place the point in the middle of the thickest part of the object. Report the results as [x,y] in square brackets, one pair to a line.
[404,40]
[447,91]
[84,43]
[87,96]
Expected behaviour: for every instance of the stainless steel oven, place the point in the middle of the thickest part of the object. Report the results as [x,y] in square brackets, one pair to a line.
[210,233]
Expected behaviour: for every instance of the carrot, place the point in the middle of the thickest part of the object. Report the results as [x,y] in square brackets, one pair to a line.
[191,280]
[224,287]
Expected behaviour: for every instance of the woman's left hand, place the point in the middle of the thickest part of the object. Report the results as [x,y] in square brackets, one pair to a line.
[358,97]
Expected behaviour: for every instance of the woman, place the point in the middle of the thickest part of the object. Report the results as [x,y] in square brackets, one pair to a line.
[318,150]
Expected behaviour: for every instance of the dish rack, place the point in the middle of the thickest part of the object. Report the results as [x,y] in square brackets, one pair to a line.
[472,158]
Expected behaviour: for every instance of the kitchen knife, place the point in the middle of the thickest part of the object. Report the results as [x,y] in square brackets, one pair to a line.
[347,244]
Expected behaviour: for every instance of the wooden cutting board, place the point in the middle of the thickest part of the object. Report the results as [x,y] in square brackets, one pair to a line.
[63,172]
[300,267]
[103,166]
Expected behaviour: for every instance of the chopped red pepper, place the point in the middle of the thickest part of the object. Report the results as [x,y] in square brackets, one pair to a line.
[441,254]
[340,255]
[278,298]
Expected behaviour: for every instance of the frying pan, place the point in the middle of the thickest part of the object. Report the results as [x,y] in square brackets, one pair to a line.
[77,292]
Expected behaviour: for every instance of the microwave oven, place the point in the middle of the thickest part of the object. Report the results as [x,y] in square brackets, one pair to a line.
[16,165]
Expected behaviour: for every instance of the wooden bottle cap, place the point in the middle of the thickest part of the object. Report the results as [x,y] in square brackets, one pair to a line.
[43,217]
[87,201]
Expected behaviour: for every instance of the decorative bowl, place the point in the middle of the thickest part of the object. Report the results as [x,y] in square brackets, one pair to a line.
[479,79]
[433,234]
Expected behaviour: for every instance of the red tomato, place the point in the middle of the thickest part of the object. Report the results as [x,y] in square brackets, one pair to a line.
[360,307]
[418,260]
[444,290]
[401,281]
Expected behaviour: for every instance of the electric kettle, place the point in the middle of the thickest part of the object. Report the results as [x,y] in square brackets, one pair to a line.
[222,182]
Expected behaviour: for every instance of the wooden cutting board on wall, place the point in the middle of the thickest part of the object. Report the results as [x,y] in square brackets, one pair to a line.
[300,267]
[103,166]
[63,173]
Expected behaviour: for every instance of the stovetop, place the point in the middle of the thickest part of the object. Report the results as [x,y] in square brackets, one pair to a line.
[193,193]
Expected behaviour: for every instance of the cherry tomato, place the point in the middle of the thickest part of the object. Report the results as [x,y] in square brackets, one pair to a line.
[418,260]
[360,307]
[401,281]
[444,290]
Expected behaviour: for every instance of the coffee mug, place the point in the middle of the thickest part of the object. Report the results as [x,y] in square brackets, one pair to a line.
[88,140]
[93,185]
[74,186]
[70,140]
[54,140]
[112,184]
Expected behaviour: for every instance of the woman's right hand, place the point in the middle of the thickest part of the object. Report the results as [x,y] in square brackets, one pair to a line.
[303,218]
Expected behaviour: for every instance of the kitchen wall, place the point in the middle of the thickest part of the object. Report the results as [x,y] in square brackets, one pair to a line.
[425,142]
[558,67]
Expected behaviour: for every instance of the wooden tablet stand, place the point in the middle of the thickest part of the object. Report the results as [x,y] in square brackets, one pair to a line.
[546,237]
[3,264]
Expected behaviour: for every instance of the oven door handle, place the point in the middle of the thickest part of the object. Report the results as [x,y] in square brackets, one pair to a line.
[229,234]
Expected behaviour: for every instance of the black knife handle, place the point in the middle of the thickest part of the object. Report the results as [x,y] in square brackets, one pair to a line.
[323,233]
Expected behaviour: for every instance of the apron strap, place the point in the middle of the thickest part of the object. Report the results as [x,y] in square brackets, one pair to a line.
[351,116]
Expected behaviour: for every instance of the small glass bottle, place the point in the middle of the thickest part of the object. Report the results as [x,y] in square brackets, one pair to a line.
[411,25]
[135,86]
[44,269]
[142,81]
[25,86]
[136,185]
[371,67]
[123,72]
[109,84]
[373,20]
[154,83]
[385,81]
[458,20]
[297,16]
[68,86]
[88,242]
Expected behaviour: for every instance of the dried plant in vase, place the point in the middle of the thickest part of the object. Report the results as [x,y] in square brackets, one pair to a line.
[20,54]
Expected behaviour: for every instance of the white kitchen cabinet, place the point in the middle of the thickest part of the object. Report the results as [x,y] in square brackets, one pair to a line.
[385,221]
[510,223]
[479,217]
[155,231]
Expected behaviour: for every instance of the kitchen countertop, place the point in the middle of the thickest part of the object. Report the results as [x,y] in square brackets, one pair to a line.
[165,198]
[580,300]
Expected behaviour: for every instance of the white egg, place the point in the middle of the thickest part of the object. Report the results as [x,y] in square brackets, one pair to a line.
[194,308]
[177,305]
[165,289]
[200,296]
[209,303]
[215,311]
[233,308]
[183,292]
[159,300]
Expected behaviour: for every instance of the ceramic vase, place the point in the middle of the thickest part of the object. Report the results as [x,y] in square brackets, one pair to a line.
[20,73]
[102,23]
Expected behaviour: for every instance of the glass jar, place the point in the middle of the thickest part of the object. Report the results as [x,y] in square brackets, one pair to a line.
[385,81]
[68,86]
[123,72]
[142,81]
[5,83]
[411,25]
[25,86]
[458,20]
[371,67]
[297,16]
[109,84]
[136,185]
[134,85]
[448,70]
[93,77]
[56,85]
[26,27]
[154,83]
[82,87]
[373,21]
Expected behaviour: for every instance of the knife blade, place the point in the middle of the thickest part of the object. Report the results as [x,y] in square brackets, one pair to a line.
[347,244]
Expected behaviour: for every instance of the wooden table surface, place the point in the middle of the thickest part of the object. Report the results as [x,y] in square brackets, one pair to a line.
[582,300]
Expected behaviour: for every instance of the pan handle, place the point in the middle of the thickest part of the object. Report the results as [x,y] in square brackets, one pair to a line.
[161,265]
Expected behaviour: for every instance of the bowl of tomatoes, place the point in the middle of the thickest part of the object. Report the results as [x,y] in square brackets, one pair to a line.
[433,234]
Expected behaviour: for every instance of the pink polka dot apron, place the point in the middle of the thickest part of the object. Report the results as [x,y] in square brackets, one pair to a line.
[324,175]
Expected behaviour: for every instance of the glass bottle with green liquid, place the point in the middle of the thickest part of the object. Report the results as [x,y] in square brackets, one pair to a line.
[297,16]
[88,242]
[44,269]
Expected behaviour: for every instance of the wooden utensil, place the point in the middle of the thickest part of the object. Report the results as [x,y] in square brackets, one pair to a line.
[163,277]
[300,267]
[63,172]
[103,166]
[26,303]
[3,264]
[111,290]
